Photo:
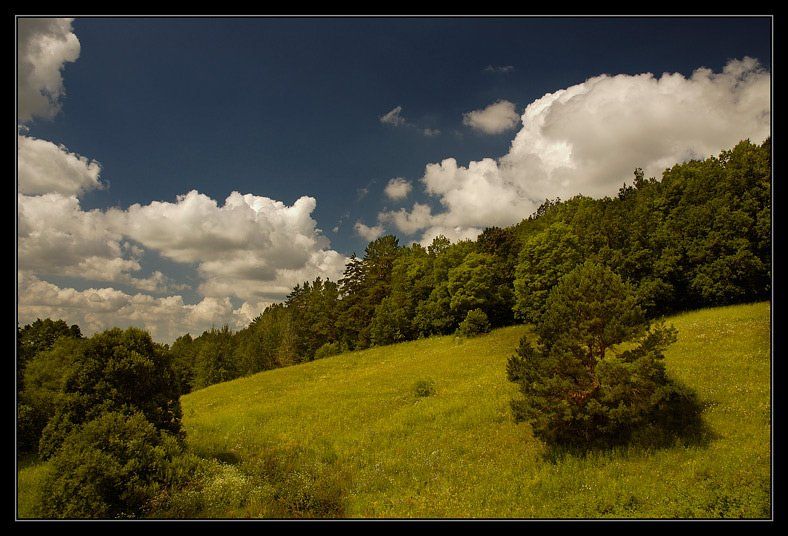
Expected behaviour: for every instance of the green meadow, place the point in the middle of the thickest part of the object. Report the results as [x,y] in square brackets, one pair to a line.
[457,452]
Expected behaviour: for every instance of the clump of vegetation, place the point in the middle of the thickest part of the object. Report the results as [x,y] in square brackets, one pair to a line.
[106,411]
[545,258]
[424,388]
[475,323]
[37,401]
[112,467]
[44,390]
[116,370]
[328,349]
[576,388]
[38,337]
[277,482]
[305,485]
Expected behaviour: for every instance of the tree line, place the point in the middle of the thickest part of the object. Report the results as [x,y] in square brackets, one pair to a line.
[700,236]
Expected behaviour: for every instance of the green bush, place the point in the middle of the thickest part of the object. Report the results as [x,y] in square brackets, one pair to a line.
[424,388]
[30,421]
[301,483]
[328,349]
[111,467]
[475,323]
[116,370]
[42,395]
[279,482]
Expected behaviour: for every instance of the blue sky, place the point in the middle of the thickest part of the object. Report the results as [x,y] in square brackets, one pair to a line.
[285,108]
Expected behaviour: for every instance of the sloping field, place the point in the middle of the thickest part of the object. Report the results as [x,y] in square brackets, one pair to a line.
[457,453]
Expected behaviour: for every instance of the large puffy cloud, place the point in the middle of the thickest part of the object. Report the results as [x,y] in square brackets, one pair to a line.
[96,309]
[251,247]
[56,237]
[44,167]
[496,118]
[589,138]
[44,46]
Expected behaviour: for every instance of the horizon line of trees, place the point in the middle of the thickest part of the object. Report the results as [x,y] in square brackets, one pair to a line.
[700,236]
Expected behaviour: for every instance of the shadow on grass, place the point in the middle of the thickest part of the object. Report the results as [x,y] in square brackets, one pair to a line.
[676,423]
[227,457]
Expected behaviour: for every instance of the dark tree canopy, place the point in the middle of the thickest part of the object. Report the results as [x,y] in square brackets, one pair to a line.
[38,337]
[545,258]
[116,370]
[112,467]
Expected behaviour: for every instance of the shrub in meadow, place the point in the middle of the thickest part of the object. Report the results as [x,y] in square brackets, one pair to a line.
[475,323]
[575,389]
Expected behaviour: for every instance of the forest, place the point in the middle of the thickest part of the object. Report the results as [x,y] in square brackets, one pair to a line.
[700,236]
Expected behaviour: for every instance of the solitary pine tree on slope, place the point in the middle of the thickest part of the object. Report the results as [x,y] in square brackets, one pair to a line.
[578,387]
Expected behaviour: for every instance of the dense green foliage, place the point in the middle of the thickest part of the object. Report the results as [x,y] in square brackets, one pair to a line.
[106,411]
[698,237]
[576,388]
[475,323]
[116,370]
[112,467]
[39,336]
[545,258]
[34,406]
[44,390]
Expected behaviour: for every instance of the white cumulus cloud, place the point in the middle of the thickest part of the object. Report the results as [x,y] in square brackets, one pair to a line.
[251,247]
[97,309]
[44,167]
[44,46]
[398,188]
[496,118]
[368,233]
[588,139]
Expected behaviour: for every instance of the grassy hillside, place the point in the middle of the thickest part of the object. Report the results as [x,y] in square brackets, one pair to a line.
[458,453]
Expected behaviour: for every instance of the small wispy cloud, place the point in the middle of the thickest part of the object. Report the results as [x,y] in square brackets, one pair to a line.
[501,69]
[393,117]
[431,132]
